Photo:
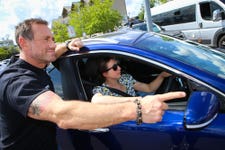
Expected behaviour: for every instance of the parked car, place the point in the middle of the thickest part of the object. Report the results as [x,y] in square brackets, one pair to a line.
[3,63]
[194,122]
[156,28]
[190,123]
[143,26]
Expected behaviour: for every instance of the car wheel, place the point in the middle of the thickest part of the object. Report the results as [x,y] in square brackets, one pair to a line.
[221,43]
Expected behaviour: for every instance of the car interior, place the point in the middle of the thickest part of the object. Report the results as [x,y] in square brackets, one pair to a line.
[140,70]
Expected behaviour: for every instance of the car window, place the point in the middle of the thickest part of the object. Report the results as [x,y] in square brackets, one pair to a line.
[156,28]
[141,71]
[56,79]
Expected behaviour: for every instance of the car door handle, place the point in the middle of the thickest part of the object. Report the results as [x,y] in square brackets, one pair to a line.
[200,25]
[100,130]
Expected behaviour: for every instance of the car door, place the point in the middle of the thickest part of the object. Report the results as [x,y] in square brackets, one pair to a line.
[188,124]
[170,133]
[129,136]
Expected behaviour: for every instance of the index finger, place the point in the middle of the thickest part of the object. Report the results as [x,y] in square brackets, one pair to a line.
[170,96]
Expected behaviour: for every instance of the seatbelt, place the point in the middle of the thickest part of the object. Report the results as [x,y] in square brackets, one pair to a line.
[118,92]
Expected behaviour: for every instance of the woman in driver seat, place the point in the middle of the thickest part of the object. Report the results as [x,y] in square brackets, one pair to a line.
[116,84]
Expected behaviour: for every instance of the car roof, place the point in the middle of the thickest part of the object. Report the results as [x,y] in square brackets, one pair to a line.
[161,45]
[118,37]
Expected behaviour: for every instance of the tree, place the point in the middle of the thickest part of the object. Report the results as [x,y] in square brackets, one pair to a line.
[60,31]
[154,2]
[96,17]
[141,14]
[8,51]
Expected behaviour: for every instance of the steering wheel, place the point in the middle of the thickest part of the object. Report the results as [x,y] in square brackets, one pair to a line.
[169,84]
[166,85]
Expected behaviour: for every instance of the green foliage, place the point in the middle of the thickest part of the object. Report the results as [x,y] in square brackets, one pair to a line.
[7,52]
[60,31]
[153,2]
[94,18]
[141,14]
[163,1]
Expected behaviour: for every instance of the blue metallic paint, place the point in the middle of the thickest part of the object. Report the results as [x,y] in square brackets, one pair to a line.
[201,110]
[171,132]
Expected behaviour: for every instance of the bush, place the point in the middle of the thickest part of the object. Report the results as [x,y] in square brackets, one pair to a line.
[7,52]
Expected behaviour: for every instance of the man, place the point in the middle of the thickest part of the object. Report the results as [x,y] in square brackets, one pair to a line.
[29,108]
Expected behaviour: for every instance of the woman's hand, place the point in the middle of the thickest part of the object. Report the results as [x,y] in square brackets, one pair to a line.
[165,74]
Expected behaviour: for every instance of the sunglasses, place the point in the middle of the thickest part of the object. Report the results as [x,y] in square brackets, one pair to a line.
[114,67]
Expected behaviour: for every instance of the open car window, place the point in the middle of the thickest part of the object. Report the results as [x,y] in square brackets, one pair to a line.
[142,71]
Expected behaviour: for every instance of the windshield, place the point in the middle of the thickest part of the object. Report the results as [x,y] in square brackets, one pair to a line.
[201,57]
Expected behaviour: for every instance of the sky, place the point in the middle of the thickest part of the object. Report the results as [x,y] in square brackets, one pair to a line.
[14,11]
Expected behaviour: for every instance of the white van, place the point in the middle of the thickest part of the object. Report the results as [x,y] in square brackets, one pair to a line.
[200,20]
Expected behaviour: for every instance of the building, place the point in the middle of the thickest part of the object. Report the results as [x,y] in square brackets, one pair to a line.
[118,5]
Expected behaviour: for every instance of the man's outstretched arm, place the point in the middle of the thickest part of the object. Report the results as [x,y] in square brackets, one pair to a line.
[75,114]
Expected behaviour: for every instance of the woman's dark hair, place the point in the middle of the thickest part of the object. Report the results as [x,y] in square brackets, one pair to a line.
[95,67]
[102,66]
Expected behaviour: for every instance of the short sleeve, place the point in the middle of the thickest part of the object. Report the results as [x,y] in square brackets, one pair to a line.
[20,92]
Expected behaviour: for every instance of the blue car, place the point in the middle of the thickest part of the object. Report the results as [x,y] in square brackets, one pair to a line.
[196,122]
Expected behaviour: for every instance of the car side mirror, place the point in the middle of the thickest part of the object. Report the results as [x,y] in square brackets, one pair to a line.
[217,15]
[202,109]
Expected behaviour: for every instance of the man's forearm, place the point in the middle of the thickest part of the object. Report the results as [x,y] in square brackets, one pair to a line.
[84,115]
[106,99]
[74,114]
[73,44]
